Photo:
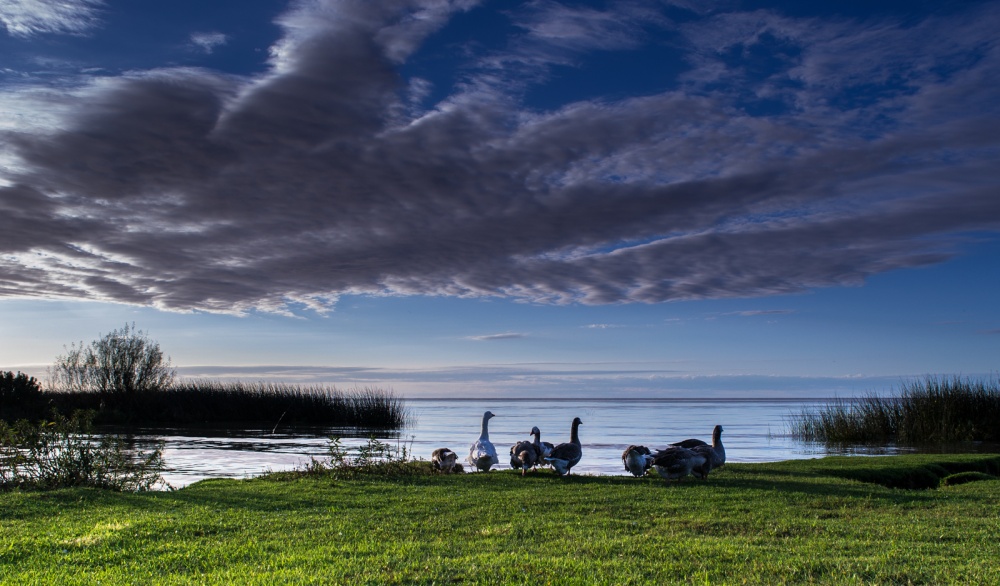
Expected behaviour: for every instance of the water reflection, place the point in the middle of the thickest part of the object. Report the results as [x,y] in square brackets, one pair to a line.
[755,431]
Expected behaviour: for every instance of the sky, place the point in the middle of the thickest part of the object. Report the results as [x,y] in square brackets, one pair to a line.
[474,198]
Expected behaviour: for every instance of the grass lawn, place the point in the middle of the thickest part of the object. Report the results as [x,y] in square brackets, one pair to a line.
[832,520]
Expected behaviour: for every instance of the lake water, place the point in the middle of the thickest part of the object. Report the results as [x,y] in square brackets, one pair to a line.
[755,431]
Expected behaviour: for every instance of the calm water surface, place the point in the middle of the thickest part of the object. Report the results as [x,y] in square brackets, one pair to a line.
[755,431]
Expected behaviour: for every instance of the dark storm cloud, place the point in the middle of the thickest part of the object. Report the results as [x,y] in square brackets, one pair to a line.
[863,147]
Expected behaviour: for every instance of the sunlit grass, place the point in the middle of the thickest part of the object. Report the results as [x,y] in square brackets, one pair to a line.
[778,523]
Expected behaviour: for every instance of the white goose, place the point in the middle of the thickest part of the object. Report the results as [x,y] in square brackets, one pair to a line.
[637,460]
[565,456]
[482,454]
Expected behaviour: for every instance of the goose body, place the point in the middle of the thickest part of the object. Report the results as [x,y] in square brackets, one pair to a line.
[482,453]
[676,462]
[444,460]
[718,450]
[543,448]
[523,455]
[701,472]
[637,460]
[564,456]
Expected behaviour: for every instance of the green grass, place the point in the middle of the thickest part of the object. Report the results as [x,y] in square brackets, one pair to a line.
[930,411]
[832,520]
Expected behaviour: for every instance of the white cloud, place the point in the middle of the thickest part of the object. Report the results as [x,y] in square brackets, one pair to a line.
[24,18]
[504,336]
[208,41]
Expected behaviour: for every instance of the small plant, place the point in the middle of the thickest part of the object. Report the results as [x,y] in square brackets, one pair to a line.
[372,457]
[64,452]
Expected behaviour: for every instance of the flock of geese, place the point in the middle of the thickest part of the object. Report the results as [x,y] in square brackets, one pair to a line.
[679,459]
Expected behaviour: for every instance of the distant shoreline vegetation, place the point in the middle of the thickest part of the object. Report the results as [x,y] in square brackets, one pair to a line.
[123,378]
[211,403]
[930,411]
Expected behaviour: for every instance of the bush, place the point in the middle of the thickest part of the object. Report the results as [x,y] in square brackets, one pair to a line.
[125,361]
[64,452]
[20,395]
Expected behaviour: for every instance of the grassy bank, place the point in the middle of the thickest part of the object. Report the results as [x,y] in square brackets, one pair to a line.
[206,402]
[832,520]
[929,411]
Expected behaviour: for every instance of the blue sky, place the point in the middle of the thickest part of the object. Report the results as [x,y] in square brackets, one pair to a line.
[462,198]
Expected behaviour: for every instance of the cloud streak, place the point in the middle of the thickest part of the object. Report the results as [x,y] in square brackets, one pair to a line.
[868,147]
[24,18]
[491,337]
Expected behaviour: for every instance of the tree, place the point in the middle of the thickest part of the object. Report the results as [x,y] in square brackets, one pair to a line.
[124,361]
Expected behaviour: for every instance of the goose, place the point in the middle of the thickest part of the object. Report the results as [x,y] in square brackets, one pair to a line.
[482,454]
[674,462]
[444,460]
[523,455]
[718,450]
[637,460]
[565,456]
[701,472]
[543,448]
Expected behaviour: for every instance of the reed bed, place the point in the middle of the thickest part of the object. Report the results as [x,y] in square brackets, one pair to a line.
[265,404]
[934,410]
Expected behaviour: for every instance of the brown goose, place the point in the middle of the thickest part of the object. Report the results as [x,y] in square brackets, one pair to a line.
[718,450]
[564,456]
[445,460]
[543,448]
[523,455]
[674,462]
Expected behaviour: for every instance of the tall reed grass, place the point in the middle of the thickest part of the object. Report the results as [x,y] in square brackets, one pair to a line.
[263,404]
[934,410]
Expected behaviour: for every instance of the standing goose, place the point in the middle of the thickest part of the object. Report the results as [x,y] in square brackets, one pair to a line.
[565,456]
[676,462]
[718,450]
[637,460]
[701,471]
[482,454]
[543,448]
[444,460]
[523,455]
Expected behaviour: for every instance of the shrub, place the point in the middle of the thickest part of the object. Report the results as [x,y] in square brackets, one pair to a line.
[20,396]
[374,457]
[64,452]
[125,361]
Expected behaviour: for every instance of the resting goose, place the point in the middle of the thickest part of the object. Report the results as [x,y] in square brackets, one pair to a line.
[523,455]
[482,454]
[637,460]
[674,462]
[444,460]
[565,456]
[718,450]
